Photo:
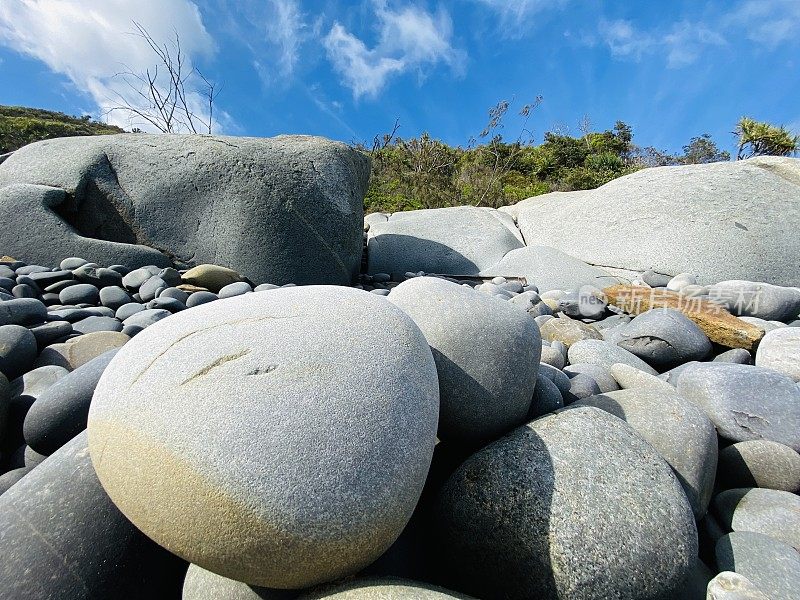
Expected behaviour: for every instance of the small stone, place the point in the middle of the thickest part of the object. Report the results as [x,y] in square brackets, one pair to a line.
[745,402]
[114,296]
[774,567]
[170,276]
[763,325]
[173,305]
[546,398]
[173,292]
[97,276]
[680,281]
[68,314]
[568,331]
[198,298]
[23,291]
[33,458]
[770,512]
[22,311]
[18,350]
[152,288]
[757,299]
[201,584]
[11,477]
[24,392]
[558,377]
[759,463]
[29,269]
[602,376]
[48,278]
[605,354]
[388,588]
[143,319]
[738,356]
[632,378]
[83,293]
[121,269]
[265,287]
[235,289]
[128,310]
[780,351]
[50,332]
[136,278]
[72,263]
[655,279]
[94,324]
[78,351]
[553,357]
[211,277]
[732,586]
[581,385]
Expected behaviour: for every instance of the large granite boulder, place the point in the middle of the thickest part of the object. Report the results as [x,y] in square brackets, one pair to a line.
[277,210]
[727,220]
[461,240]
[281,438]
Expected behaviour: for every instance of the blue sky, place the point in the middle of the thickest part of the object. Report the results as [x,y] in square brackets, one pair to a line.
[347,70]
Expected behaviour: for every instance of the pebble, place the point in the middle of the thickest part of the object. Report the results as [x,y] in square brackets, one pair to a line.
[136,278]
[732,586]
[757,299]
[48,278]
[553,356]
[201,584]
[235,289]
[780,351]
[94,324]
[581,385]
[114,296]
[50,332]
[775,513]
[173,305]
[24,291]
[601,376]
[198,298]
[605,354]
[211,277]
[78,351]
[265,287]
[152,288]
[558,377]
[534,502]
[170,276]
[24,392]
[568,331]
[380,589]
[680,281]
[632,378]
[72,263]
[546,398]
[97,276]
[143,319]
[745,402]
[68,314]
[177,294]
[83,293]
[772,566]
[655,279]
[22,311]
[759,463]
[486,354]
[128,310]
[735,355]
[18,350]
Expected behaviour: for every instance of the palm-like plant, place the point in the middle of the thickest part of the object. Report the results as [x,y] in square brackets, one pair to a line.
[758,139]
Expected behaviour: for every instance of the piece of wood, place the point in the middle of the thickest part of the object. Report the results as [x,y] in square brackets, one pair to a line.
[716,322]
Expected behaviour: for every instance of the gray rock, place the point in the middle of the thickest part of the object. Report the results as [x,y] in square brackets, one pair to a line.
[235,289]
[568,331]
[152,288]
[23,291]
[68,314]
[173,292]
[759,463]
[605,354]
[201,584]
[558,377]
[173,305]
[140,320]
[83,293]
[83,546]
[735,355]
[60,412]
[779,350]
[663,337]
[462,240]
[33,458]
[30,269]
[631,378]
[50,332]
[388,588]
[654,279]
[136,278]
[725,207]
[602,376]
[22,311]
[171,276]
[78,351]
[114,296]
[281,209]
[94,324]
[5,401]
[581,385]
[264,482]
[546,398]
[486,352]
[681,281]
[97,276]
[553,357]
[72,263]
[772,566]
[11,477]
[732,586]
[18,350]
[770,512]
[128,310]
[549,269]
[679,430]
[763,325]
[755,299]
[745,402]
[264,287]
[529,517]
[198,298]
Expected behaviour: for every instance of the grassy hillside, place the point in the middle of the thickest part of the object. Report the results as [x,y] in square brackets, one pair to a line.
[20,125]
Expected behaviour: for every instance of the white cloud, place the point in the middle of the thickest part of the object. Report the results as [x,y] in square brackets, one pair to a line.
[515,15]
[623,39]
[686,42]
[409,38]
[286,31]
[90,41]
[767,22]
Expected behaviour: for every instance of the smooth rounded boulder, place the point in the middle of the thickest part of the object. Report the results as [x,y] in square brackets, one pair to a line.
[388,588]
[780,351]
[487,354]
[679,430]
[772,566]
[771,512]
[543,513]
[759,463]
[307,425]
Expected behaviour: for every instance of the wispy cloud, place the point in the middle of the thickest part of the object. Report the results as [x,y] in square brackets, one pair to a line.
[769,23]
[90,41]
[623,39]
[515,15]
[687,41]
[410,38]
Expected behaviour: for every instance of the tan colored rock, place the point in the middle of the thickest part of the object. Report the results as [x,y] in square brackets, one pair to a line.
[189,288]
[568,331]
[717,323]
[78,351]
[211,277]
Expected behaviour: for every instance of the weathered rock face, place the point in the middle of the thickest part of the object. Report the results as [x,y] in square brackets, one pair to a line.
[720,221]
[462,240]
[307,424]
[278,210]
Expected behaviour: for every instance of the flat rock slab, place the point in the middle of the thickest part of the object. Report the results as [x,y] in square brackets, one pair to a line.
[279,210]
[462,240]
[695,218]
[717,323]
